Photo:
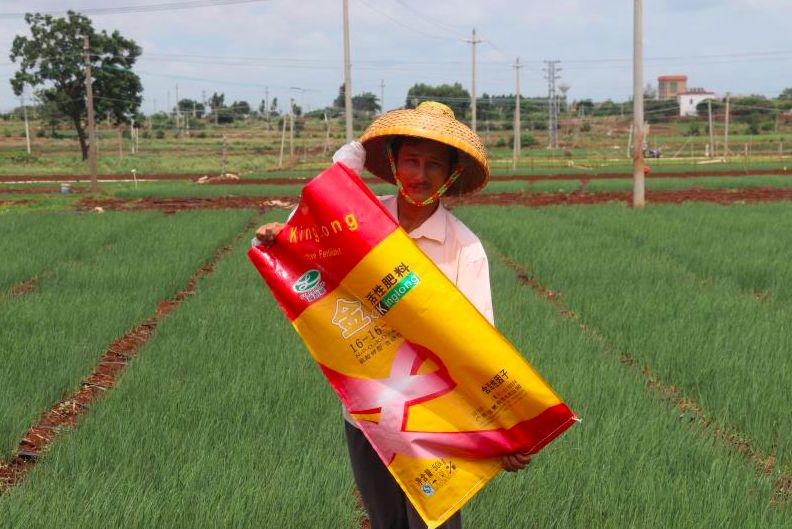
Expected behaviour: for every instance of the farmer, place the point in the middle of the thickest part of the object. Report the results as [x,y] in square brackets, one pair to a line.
[428,154]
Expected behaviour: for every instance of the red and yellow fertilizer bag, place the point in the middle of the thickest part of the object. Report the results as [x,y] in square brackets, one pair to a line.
[436,389]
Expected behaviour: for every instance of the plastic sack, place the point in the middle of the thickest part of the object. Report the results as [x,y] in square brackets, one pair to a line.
[438,391]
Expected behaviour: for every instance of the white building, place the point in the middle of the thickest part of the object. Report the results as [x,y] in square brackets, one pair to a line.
[690,99]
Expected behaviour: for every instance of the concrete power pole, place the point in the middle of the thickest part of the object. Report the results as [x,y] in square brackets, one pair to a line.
[711,132]
[382,96]
[291,130]
[347,76]
[91,116]
[27,125]
[517,126]
[639,199]
[266,105]
[551,74]
[726,128]
[473,41]
[178,110]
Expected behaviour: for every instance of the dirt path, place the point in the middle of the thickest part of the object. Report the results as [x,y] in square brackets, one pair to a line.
[111,365]
[718,196]
[297,180]
[686,405]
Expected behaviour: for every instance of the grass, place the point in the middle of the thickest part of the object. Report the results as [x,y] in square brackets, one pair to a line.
[92,291]
[694,328]
[632,462]
[223,420]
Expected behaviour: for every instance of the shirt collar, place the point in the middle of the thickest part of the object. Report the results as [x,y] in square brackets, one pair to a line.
[433,228]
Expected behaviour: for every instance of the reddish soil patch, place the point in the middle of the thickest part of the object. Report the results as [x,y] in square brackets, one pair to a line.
[628,174]
[718,196]
[20,289]
[296,180]
[4,203]
[105,376]
[172,205]
[688,407]
[84,178]
[36,190]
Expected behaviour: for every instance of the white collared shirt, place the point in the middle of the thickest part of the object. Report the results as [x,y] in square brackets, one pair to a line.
[456,251]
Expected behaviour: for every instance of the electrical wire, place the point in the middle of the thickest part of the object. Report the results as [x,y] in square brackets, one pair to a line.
[147,8]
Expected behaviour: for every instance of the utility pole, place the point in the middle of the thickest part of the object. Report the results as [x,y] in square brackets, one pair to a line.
[711,133]
[551,74]
[91,116]
[291,130]
[347,76]
[327,134]
[382,96]
[178,110]
[283,142]
[27,126]
[726,128]
[266,105]
[473,41]
[517,131]
[132,136]
[639,199]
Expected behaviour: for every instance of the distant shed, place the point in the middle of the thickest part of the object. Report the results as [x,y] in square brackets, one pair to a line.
[670,86]
[690,99]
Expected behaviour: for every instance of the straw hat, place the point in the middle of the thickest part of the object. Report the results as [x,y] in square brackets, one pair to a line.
[433,121]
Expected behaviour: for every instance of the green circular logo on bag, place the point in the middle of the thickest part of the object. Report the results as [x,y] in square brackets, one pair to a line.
[307,281]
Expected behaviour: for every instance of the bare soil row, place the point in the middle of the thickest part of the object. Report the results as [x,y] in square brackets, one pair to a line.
[717,196]
[686,405]
[113,362]
[296,180]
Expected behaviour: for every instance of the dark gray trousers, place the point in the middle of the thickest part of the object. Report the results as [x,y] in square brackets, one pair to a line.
[385,502]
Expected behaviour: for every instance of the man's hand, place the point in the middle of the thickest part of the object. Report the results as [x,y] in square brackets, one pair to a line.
[516,461]
[353,155]
[267,233]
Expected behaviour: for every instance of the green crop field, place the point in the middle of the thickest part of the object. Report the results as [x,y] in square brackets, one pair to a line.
[223,420]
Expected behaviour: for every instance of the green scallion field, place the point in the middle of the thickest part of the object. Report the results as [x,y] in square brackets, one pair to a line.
[667,330]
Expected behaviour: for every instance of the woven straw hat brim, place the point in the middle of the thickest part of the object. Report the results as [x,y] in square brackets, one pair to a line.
[432,126]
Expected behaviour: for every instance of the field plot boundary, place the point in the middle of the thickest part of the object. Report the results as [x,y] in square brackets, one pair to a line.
[688,407]
[277,180]
[105,375]
[717,196]
[22,288]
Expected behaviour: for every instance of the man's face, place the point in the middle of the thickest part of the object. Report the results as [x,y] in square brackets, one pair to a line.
[422,167]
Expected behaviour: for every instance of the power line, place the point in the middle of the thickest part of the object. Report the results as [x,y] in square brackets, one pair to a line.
[168,6]
[404,24]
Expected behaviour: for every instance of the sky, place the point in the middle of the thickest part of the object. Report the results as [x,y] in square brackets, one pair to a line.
[295,48]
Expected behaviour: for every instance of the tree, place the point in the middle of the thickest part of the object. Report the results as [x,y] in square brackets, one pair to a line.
[659,110]
[365,102]
[274,107]
[216,102]
[53,59]
[50,114]
[453,95]
[186,106]
[340,101]
[240,108]
[585,107]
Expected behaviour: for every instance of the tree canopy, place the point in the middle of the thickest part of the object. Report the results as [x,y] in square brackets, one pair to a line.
[53,59]
[453,95]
